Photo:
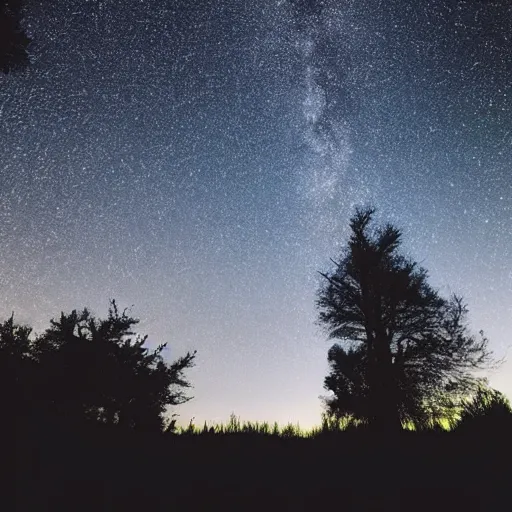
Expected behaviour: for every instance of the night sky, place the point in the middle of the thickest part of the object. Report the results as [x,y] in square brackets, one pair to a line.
[200,160]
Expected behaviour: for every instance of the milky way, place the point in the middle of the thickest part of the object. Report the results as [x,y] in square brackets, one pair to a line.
[199,161]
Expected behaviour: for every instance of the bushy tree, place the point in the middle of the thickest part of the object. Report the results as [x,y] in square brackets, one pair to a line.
[83,368]
[407,354]
[99,369]
[13,40]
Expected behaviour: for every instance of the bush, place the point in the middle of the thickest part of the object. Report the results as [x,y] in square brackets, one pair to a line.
[489,412]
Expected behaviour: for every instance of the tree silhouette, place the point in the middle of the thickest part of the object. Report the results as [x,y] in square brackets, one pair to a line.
[488,412]
[97,370]
[16,369]
[13,40]
[408,355]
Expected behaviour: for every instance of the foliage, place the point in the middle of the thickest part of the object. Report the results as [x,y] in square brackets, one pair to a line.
[407,354]
[84,368]
[487,412]
[16,367]
[13,40]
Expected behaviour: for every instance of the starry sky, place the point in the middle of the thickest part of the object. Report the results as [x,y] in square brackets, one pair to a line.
[199,161]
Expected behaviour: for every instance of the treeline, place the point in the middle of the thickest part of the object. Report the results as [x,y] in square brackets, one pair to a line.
[89,406]
[404,356]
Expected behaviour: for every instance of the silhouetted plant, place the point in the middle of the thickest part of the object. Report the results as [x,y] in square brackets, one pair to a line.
[16,369]
[487,412]
[334,424]
[233,425]
[408,356]
[247,429]
[291,431]
[14,41]
[171,427]
[99,370]
[191,429]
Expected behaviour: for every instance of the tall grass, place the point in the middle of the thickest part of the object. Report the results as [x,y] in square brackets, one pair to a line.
[235,425]
[329,426]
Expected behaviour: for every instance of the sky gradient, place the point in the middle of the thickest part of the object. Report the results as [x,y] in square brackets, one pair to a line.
[200,160]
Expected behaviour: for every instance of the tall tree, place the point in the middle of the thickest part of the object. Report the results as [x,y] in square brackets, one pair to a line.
[14,41]
[96,369]
[407,354]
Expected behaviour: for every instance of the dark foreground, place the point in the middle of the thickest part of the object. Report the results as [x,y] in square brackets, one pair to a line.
[60,469]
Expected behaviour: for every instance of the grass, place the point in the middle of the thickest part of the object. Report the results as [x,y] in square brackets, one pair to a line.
[236,426]
[328,425]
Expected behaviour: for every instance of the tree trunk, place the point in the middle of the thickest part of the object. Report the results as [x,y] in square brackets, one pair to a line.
[385,417]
